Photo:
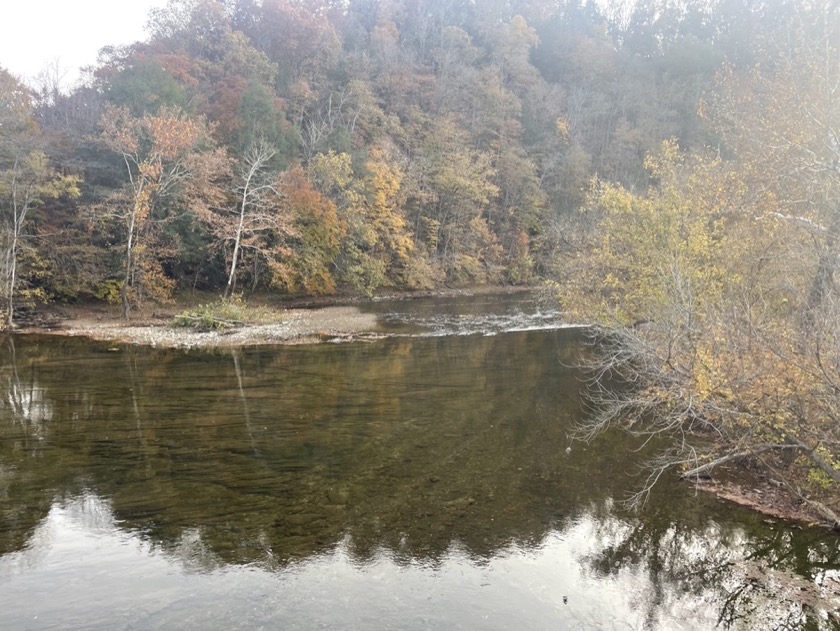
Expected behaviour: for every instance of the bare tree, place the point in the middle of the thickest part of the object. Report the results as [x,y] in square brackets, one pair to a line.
[253,219]
[255,190]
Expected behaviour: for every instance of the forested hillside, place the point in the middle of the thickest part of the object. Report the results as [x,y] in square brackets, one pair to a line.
[317,146]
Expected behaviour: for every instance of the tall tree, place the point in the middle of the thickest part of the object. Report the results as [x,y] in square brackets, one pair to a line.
[159,153]
[378,243]
[449,202]
[782,119]
[254,218]
[318,235]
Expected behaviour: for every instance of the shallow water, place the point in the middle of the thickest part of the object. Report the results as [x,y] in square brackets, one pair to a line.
[420,481]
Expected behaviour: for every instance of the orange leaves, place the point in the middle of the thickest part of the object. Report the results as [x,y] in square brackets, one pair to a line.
[315,216]
[167,136]
[120,130]
[170,135]
[563,129]
[159,152]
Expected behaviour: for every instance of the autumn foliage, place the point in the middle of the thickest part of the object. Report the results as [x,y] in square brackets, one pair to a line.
[716,288]
[672,167]
[412,144]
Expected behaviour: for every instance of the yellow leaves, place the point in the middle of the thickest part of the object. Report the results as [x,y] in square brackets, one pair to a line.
[730,267]
[561,126]
[332,173]
[459,178]
[520,29]
[664,163]
[382,187]
[820,479]
[385,178]
[378,240]
[617,201]
[150,170]
[710,370]
[672,253]
[319,233]
[57,186]
[31,181]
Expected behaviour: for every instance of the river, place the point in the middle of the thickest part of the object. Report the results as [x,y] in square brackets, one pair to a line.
[425,480]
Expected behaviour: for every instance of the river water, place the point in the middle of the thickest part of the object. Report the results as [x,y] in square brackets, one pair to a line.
[420,481]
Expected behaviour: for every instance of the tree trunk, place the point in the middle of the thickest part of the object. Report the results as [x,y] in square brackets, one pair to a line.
[10,290]
[19,210]
[235,258]
[129,263]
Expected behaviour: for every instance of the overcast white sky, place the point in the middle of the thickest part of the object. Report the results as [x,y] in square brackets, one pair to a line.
[36,32]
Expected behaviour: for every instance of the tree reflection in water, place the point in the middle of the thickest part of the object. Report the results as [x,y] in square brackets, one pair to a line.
[22,397]
[761,574]
[395,467]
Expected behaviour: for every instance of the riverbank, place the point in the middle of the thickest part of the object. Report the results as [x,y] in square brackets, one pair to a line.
[302,321]
[762,495]
[155,329]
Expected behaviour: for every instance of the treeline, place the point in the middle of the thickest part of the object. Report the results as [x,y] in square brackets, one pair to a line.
[316,146]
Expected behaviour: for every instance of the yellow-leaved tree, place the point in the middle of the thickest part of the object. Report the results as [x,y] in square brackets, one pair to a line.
[698,290]
[716,289]
[378,246]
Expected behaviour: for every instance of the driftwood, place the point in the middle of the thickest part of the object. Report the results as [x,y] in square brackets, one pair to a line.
[705,470]
[207,323]
[824,512]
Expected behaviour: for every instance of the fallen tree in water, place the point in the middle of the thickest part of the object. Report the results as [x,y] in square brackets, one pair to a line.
[704,434]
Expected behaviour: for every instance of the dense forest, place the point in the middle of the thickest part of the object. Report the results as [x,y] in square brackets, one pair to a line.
[315,146]
[672,166]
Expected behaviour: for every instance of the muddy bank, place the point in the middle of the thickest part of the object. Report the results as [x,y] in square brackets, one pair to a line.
[765,495]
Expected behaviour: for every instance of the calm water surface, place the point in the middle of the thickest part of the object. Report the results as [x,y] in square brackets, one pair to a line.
[417,482]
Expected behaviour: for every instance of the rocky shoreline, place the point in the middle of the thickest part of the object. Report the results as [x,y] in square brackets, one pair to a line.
[301,321]
[294,326]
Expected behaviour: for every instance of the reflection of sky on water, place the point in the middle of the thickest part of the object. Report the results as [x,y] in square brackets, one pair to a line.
[79,570]
[409,483]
